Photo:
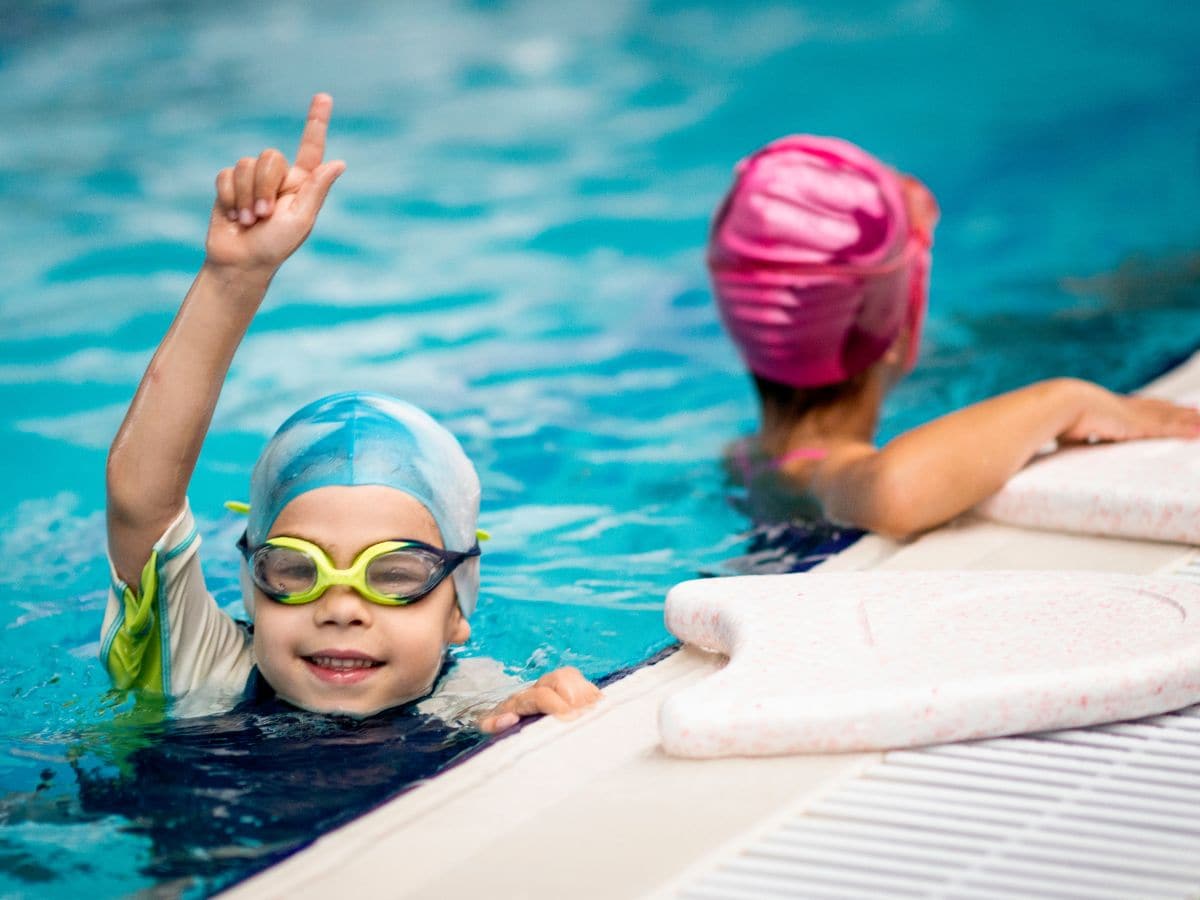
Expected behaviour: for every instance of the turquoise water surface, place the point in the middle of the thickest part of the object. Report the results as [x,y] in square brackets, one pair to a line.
[516,245]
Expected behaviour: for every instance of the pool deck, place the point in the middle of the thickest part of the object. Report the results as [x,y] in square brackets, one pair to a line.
[593,808]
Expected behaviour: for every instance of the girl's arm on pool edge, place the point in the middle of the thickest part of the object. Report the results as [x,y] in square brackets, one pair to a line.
[263,211]
[933,473]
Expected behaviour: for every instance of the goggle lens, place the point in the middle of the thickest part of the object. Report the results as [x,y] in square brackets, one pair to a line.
[282,571]
[403,573]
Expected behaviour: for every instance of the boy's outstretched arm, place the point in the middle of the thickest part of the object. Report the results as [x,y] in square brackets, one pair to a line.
[931,474]
[561,693]
[263,211]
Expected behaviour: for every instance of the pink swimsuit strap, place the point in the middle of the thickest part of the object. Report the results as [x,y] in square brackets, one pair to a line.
[741,457]
[800,453]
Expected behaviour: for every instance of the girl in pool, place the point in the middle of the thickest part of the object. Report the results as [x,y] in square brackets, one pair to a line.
[362,562]
[820,256]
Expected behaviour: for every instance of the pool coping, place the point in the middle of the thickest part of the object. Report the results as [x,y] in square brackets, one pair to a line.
[593,808]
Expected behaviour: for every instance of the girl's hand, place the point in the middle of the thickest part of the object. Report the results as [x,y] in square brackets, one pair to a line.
[1114,417]
[265,209]
[562,693]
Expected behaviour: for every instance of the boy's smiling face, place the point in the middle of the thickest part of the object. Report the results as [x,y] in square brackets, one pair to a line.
[341,653]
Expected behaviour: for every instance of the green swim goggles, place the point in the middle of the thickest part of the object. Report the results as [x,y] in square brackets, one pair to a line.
[392,573]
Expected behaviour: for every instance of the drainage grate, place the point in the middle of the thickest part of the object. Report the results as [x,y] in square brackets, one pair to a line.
[1189,568]
[1111,811]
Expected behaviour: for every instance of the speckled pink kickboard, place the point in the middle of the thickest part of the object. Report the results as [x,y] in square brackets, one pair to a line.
[1139,489]
[879,660]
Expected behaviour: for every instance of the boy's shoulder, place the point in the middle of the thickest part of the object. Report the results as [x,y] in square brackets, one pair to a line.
[472,685]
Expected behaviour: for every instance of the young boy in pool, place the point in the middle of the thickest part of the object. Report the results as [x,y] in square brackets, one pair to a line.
[819,256]
[362,563]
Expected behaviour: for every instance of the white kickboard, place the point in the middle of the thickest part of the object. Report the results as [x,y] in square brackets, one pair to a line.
[855,661]
[1137,489]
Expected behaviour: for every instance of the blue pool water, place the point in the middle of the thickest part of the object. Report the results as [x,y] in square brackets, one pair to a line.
[516,244]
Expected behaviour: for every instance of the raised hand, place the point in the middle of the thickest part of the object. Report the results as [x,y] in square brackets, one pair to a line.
[265,208]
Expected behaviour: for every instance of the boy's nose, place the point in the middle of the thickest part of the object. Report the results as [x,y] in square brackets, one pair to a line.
[341,605]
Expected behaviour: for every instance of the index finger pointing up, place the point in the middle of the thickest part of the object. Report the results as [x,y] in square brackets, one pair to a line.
[312,142]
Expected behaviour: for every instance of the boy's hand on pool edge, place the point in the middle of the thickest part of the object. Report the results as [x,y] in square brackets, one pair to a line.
[265,208]
[562,693]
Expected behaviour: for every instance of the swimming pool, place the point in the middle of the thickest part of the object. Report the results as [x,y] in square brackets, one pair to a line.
[516,244]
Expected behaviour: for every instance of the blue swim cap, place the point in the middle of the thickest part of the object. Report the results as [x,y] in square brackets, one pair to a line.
[357,438]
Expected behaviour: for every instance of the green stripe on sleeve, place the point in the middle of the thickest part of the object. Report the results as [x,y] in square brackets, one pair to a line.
[135,654]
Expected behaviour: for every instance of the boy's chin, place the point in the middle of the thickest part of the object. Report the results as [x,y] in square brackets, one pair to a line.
[356,708]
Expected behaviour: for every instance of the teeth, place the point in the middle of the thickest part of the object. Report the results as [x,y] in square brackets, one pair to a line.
[337,662]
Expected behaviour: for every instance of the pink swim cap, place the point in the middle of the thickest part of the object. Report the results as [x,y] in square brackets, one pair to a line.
[819,258]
